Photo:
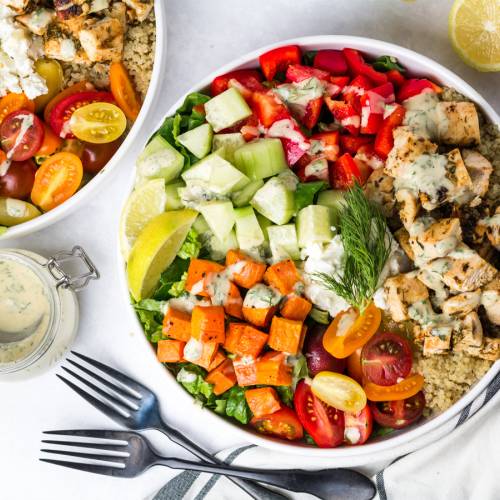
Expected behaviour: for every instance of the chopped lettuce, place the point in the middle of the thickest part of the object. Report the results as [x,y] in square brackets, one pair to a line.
[190,249]
[308,57]
[300,370]
[192,378]
[171,279]
[235,405]
[305,193]
[285,392]
[150,313]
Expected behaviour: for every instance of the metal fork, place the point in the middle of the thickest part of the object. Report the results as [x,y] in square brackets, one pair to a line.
[128,454]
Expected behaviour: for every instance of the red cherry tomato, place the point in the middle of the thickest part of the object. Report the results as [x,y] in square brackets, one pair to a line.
[283,423]
[323,422]
[398,414]
[95,156]
[354,366]
[21,135]
[386,358]
[62,111]
[19,179]
[358,426]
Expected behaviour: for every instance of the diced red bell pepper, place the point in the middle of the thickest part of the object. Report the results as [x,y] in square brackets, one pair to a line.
[313,110]
[250,129]
[332,61]
[344,172]
[351,144]
[293,151]
[328,144]
[336,85]
[315,170]
[279,59]
[396,77]
[298,73]
[367,155]
[372,114]
[384,140]
[268,107]
[353,92]
[386,91]
[358,66]
[345,114]
[416,86]
[249,78]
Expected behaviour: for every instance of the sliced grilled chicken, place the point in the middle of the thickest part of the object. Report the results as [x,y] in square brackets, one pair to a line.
[60,47]
[470,334]
[462,304]
[379,188]
[490,300]
[38,20]
[490,349]
[491,226]
[98,5]
[141,9]
[437,339]
[479,169]
[19,6]
[409,206]
[103,40]
[434,282]
[119,11]
[403,237]
[457,123]
[402,291]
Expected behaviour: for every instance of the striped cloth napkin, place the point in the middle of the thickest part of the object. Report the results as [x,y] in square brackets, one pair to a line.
[460,466]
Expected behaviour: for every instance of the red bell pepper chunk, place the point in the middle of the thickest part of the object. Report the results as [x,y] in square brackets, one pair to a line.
[351,144]
[250,130]
[416,86]
[396,77]
[345,114]
[278,60]
[372,113]
[332,61]
[249,78]
[315,170]
[345,172]
[293,151]
[326,144]
[268,107]
[336,85]
[298,73]
[386,91]
[384,140]
[353,92]
[358,66]
[367,155]
[313,110]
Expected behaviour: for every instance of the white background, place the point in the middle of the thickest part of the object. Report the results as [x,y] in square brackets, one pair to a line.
[202,35]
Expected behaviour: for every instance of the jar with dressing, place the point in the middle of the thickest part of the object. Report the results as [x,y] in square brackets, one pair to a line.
[38,309]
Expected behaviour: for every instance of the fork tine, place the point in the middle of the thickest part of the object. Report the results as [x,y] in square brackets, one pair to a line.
[120,393]
[104,447]
[96,469]
[94,433]
[136,389]
[107,408]
[119,460]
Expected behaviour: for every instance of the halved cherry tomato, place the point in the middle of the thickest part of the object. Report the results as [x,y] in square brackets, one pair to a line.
[340,391]
[76,88]
[21,134]
[51,143]
[96,156]
[279,59]
[354,366]
[402,390]
[350,331]
[249,78]
[123,91]
[358,426]
[399,414]
[57,179]
[385,358]
[63,111]
[324,423]
[14,102]
[51,71]
[18,181]
[283,423]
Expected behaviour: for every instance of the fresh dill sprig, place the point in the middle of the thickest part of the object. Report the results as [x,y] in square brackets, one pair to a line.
[367,247]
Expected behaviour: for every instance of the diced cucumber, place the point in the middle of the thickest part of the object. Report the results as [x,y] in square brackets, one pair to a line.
[159,160]
[216,175]
[173,197]
[274,201]
[226,109]
[313,225]
[283,242]
[334,200]
[243,197]
[219,216]
[248,231]
[230,143]
[198,140]
[200,225]
[219,248]
[261,158]
[264,223]
[320,316]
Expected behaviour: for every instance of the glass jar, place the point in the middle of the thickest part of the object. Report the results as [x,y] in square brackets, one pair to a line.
[38,309]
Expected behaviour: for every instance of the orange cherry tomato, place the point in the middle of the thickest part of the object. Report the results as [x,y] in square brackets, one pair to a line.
[57,179]
[403,390]
[51,143]
[3,156]
[73,89]
[15,102]
[123,91]
[354,366]
[340,341]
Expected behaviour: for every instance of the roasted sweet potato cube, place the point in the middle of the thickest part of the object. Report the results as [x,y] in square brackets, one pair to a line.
[263,401]
[170,351]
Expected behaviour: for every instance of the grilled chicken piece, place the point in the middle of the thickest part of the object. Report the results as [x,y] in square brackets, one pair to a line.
[402,291]
[418,334]
[434,282]
[437,339]
[470,334]
[98,5]
[479,169]
[403,237]
[119,11]
[409,206]
[491,226]
[462,304]
[141,9]
[490,349]
[62,48]
[379,188]
[103,40]
[457,123]
[37,21]
[67,9]
[490,300]
[20,6]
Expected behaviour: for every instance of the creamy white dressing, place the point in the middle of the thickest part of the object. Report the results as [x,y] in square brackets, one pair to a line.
[186,303]
[286,129]
[317,168]
[421,115]
[354,121]
[193,350]
[297,95]
[346,322]
[262,297]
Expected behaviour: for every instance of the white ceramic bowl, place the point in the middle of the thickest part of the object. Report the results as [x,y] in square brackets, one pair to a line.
[145,116]
[382,448]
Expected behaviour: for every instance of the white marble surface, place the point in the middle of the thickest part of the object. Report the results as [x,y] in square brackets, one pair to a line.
[203,34]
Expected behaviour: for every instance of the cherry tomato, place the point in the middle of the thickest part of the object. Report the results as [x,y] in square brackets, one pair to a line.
[399,414]
[95,156]
[98,123]
[14,102]
[386,358]
[51,143]
[350,331]
[71,90]
[354,366]
[56,180]
[51,71]
[21,134]
[63,110]
[123,91]
[339,391]
[318,359]
[402,390]
[323,422]
[358,426]
[283,423]
[18,180]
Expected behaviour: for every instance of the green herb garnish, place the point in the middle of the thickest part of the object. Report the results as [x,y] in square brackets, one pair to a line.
[387,63]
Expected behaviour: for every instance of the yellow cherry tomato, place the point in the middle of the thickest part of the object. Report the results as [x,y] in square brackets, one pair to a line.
[51,71]
[340,391]
[402,390]
[98,123]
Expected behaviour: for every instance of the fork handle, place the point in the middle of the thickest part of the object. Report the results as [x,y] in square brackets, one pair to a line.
[255,490]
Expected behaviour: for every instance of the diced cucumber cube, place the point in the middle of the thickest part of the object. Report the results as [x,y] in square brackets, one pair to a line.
[219,216]
[334,200]
[261,158]
[226,109]
[173,197]
[274,201]
[200,225]
[264,223]
[219,248]
[313,225]
[230,143]
[198,140]
[283,242]
[248,231]
[159,160]
[243,197]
